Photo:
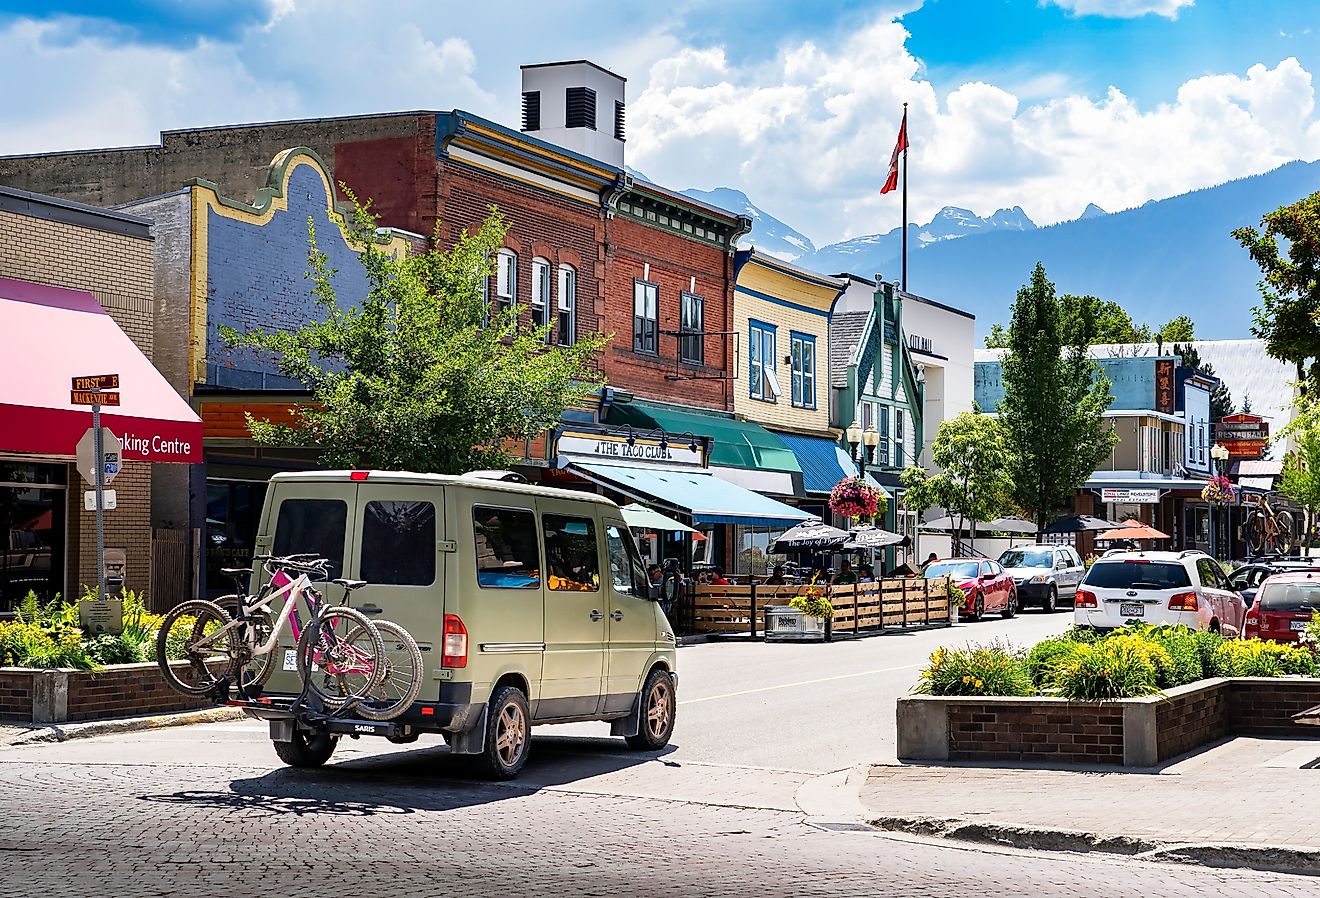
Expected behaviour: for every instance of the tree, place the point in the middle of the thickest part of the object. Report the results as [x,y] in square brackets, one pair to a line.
[1179,328]
[973,481]
[1301,474]
[1221,401]
[422,375]
[1288,319]
[1090,320]
[1246,404]
[1054,402]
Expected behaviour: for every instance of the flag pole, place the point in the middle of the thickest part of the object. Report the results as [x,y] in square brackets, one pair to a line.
[905,214]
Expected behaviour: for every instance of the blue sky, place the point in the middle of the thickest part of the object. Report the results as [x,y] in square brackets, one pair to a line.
[1047,104]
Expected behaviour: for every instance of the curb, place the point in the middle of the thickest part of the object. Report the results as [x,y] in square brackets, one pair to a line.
[1289,859]
[64,732]
[698,639]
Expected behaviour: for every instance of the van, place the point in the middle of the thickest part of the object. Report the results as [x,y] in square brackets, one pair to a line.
[530,604]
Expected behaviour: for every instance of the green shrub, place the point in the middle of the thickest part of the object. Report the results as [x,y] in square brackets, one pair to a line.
[1184,656]
[1044,657]
[1109,669]
[1076,633]
[813,605]
[1207,645]
[975,670]
[1256,658]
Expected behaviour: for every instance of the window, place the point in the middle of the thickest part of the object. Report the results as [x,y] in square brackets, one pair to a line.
[646,321]
[504,540]
[398,543]
[762,380]
[626,570]
[1137,575]
[506,279]
[531,110]
[803,356]
[540,293]
[692,320]
[572,557]
[882,448]
[580,108]
[1211,575]
[313,525]
[618,120]
[899,438]
[567,305]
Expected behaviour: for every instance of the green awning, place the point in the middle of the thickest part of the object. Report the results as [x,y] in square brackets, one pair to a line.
[736,444]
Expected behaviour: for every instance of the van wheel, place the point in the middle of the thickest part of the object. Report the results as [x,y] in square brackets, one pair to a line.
[1051,601]
[508,735]
[306,749]
[658,707]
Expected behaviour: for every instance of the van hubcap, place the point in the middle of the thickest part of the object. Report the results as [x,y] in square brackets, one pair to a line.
[511,735]
[657,709]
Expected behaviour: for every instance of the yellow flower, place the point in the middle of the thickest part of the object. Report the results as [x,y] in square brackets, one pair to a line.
[967,679]
[979,684]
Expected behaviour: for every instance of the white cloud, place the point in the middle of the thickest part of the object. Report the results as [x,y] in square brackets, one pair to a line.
[1122,9]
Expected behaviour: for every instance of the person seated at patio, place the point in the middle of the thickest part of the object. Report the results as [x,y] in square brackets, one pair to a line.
[717,577]
[865,573]
[846,575]
[777,577]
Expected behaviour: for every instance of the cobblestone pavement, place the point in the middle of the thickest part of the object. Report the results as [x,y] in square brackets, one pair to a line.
[1243,792]
[206,811]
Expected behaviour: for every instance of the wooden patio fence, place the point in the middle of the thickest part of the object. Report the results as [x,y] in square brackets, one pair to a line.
[894,604]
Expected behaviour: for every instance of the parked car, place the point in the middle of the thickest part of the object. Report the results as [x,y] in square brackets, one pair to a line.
[1283,605]
[1159,588]
[1044,574]
[987,585]
[1247,578]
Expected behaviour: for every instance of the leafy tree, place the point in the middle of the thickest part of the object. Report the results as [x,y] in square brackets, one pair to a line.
[1179,328]
[973,480]
[1221,401]
[422,375]
[1090,320]
[1301,474]
[1288,319]
[997,338]
[1054,402]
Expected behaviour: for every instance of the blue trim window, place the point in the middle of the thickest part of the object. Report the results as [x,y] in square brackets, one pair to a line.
[803,357]
[762,381]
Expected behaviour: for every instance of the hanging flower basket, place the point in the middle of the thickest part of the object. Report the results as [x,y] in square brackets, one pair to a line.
[1219,490]
[853,497]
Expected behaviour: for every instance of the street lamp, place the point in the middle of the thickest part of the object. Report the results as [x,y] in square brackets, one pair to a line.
[869,439]
[1219,452]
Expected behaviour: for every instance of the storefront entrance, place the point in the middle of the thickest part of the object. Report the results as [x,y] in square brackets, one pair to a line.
[32,515]
[233,513]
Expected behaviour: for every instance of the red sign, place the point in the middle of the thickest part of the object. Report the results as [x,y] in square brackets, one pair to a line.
[91,397]
[1245,436]
[1164,397]
[96,382]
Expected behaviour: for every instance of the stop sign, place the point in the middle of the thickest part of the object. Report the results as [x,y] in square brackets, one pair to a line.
[111,447]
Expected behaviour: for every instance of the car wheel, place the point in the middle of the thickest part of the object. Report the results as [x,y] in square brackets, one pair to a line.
[1051,601]
[658,711]
[508,735]
[306,749]
[1011,609]
[978,608]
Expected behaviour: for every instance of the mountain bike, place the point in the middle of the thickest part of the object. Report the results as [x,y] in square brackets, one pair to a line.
[1268,531]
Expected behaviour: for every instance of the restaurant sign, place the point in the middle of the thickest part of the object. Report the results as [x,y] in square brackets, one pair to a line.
[1244,436]
[1164,395]
[622,447]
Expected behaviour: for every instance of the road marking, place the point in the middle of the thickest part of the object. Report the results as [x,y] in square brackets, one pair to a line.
[863,673]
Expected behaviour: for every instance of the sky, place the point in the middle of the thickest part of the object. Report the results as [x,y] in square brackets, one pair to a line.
[1044,104]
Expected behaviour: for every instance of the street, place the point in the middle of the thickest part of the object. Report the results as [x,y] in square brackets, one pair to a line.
[207,810]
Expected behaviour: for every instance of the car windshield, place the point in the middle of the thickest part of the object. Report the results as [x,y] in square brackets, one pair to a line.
[959,570]
[1290,596]
[1136,575]
[1027,558]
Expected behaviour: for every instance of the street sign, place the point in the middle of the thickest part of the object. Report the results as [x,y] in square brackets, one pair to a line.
[91,397]
[1133,496]
[109,501]
[111,452]
[96,382]
[94,389]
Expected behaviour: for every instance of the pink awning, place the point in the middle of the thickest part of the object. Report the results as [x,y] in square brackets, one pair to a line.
[48,336]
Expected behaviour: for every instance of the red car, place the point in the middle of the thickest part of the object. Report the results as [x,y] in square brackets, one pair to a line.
[1283,605]
[987,585]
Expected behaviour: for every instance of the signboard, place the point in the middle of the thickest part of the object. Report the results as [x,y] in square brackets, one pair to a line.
[109,500]
[111,450]
[98,617]
[1244,436]
[94,389]
[1164,392]
[1143,496]
[616,448]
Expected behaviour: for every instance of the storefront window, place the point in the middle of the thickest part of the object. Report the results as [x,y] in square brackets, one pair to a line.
[753,557]
[233,513]
[32,515]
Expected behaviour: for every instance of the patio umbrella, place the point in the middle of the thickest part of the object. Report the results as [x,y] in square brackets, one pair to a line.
[1010,524]
[872,538]
[642,518]
[809,536]
[1132,530]
[1078,523]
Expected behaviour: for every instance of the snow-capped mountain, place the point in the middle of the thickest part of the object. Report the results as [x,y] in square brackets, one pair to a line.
[768,234]
[1091,211]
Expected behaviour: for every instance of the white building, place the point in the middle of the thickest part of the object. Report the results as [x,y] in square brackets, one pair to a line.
[942,341]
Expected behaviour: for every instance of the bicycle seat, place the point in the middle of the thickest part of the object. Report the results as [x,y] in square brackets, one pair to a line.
[349,585]
[235,571]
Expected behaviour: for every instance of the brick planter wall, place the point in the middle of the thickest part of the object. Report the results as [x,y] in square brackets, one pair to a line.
[60,696]
[1138,732]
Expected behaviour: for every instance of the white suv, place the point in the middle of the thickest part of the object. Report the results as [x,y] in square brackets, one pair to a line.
[1159,588]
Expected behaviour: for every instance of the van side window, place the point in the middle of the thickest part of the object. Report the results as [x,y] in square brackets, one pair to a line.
[572,556]
[626,570]
[398,543]
[505,543]
[313,525]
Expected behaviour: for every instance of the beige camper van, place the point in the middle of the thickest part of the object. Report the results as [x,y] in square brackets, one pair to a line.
[530,604]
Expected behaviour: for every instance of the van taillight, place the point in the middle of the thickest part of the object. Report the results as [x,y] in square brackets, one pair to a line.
[358,475]
[1086,599]
[1184,601]
[454,650]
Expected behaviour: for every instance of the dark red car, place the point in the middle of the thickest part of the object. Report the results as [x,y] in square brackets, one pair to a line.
[1284,603]
[987,585]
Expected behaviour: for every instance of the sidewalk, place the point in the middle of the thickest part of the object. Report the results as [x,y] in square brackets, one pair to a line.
[1253,799]
[26,733]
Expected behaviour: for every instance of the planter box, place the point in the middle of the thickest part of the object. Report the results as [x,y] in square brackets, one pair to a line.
[784,623]
[1133,732]
[62,696]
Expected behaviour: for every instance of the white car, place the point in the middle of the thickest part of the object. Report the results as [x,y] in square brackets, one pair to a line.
[1172,588]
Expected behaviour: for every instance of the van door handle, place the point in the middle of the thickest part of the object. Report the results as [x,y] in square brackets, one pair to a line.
[617,615]
[597,615]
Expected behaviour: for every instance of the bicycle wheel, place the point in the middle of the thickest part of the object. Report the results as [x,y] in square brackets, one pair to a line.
[1256,533]
[254,670]
[335,668]
[1285,532]
[402,680]
[195,632]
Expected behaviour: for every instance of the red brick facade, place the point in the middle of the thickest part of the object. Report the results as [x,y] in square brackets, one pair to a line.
[120,691]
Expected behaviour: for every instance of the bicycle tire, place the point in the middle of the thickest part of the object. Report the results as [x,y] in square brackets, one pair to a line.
[1285,531]
[316,662]
[253,670]
[1256,532]
[402,680]
[207,664]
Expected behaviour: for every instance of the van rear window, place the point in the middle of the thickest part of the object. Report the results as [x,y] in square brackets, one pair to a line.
[1137,575]
[316,526]
[398,543]
[508,556]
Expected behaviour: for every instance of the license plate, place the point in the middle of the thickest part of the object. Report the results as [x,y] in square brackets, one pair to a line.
[1297,625]
[290,659]
[1132,609]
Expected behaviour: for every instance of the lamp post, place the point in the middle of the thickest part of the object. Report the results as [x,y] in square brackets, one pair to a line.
[868,439]
[1219,452]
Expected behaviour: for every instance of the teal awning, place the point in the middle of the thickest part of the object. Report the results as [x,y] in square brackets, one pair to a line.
[736,444]
[708,499]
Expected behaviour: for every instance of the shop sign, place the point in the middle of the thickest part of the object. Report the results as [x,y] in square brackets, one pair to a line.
[1244,436]
[1133,496]
[157,446]
[616,447]
[1164,398]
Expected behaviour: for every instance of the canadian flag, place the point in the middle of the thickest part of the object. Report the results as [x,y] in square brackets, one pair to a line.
[891,183]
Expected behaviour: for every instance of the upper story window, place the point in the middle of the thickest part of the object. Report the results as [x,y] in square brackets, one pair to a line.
[762,379]
[899,437]
[692,320]
[882,425]
[506,279]
[540,301]
[567,329]
[803,356]
[646,317]
[580,108]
